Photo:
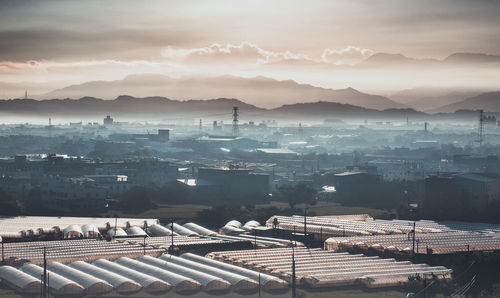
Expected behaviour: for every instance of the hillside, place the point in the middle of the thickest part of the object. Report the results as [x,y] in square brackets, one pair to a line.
[430,98]
[258,91]
[489,102]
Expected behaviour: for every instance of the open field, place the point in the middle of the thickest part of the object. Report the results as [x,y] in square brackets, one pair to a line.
[329,208]
[188,212]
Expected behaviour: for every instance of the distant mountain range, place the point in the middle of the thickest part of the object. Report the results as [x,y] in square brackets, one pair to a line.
[432,98]
[456,59]
[489,102]
[126,108]
[258,91]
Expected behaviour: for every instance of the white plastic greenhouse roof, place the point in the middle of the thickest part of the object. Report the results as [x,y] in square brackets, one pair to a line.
[121,284]
[320,268]
[186,274]
[150,283]
[356,226]
[20,281]
[179,229]
[199,229]
[15,227]
[430,243]
[59,284]
[66,251]
[180,282]
[92,284]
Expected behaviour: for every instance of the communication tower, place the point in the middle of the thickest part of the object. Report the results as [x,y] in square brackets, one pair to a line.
[481,127]
[235,121]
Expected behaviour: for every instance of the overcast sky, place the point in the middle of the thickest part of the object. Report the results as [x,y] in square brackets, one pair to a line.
[67,42]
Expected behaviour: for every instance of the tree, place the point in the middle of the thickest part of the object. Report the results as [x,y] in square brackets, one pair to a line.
[136,200]
[299,193]
[173,193]
[8,206]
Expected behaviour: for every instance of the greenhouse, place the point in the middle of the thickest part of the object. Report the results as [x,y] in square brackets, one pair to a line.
[150,284]
[181,283]
[238,282]
[66,251]
[90,231]
[267,281]
[157,230]
[72,231]
[21,226]
[183,231]
[20,281]
[210,283]
[135,231]
[121,284]
[319,268]
[361,225]
[116,232]
[59,285]
[199,229]
[92,285]
[431,243]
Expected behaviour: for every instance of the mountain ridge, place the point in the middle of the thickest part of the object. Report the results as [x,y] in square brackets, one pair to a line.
[488,101]
[259,91]
[161,108]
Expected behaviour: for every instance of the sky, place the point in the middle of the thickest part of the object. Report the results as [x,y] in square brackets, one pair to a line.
[51,44]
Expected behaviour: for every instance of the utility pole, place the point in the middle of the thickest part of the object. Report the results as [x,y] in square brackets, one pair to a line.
[293,272]
[305,227]
[255,240]
[259,284]
[413,247]
[172,235]
[481,127]
[44,293]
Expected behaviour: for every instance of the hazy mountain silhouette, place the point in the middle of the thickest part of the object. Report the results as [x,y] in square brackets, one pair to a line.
[430,98]
[390,60]
[337,110]
[258,91]
[489,102]
[476,58]
[126,108]
[456,59]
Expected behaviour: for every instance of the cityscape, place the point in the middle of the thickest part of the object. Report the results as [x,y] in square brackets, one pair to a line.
[249,149]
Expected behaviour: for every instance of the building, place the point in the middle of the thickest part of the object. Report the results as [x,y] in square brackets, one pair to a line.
[391,170]
[229,186]
[151,172]
[72,194]
[276,153]
[348,190]
[114,184]
[108,121]
[463,195]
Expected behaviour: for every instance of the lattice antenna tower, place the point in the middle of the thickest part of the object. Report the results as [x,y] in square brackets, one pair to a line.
[235,121]
[481,127]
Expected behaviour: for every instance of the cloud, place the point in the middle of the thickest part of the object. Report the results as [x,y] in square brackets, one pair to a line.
[348,55]
[247,52]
